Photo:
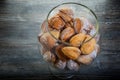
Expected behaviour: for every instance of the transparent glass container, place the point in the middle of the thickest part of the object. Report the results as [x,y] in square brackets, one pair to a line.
[80,11]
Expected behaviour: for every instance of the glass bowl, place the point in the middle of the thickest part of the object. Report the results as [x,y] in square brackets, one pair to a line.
[48,51]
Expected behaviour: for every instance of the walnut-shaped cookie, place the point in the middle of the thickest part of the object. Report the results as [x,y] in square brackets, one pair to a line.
[88,46]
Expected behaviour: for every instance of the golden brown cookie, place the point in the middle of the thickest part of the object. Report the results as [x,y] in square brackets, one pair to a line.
[89,46]
[56,23]
[47,40]
[85,59]
[60,64]
[66,14]
[67,11]
[71,52]
[77,25]
[59,53]
[67,33]
[48,56]
[72,65]
[77,39]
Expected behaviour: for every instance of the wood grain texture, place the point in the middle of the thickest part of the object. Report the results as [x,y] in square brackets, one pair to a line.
[20,22]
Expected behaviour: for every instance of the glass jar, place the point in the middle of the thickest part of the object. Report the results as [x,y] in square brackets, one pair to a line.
[53,39]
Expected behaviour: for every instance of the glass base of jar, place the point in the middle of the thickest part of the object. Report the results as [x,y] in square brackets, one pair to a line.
[61,74]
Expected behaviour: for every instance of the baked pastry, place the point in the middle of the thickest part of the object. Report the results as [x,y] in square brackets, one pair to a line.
[89,46]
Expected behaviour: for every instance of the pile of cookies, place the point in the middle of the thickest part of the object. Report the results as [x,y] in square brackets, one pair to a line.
[75,31]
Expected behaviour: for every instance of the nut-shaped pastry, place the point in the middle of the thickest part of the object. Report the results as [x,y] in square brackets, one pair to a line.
[65,17]
[77,39]
[50,42]
[77,25]
[59,53]
[86,25]
[67,33]
[87,59]
[43,40]
[71,52]
[48,56]
[47,40]
[72,65]
[60,64]
[56,23]
[89,46]
[67,11]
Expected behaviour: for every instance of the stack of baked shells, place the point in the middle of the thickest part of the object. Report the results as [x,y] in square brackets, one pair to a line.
[75,31]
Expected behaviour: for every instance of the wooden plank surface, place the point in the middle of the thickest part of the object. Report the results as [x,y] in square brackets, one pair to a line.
[20,21]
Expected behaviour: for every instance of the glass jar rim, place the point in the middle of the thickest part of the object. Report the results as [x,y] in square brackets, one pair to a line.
[96,19]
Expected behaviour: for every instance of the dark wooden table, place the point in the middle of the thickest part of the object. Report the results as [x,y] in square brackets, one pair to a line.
[19,26]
